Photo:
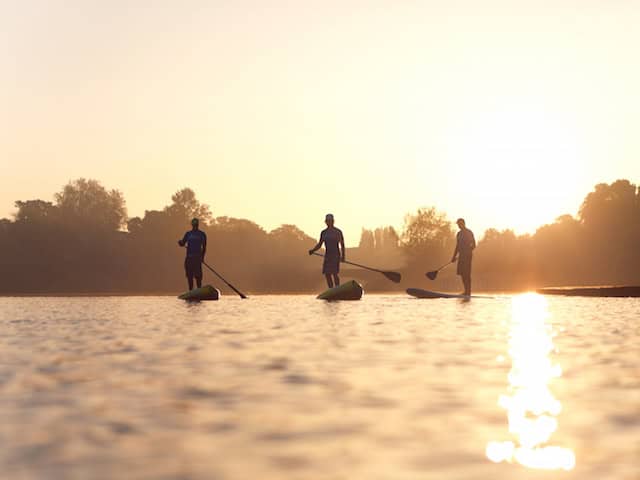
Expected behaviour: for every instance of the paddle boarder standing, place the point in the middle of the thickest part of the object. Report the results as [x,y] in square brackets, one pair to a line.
[334,251]
[196,242]
[465,244]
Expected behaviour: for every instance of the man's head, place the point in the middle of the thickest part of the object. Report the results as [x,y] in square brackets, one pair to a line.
[328,219]
[195,223]
[461,224]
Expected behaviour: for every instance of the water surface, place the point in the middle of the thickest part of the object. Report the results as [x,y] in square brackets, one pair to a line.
[288,387]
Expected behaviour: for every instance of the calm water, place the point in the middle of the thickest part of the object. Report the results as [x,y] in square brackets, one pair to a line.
[288,387]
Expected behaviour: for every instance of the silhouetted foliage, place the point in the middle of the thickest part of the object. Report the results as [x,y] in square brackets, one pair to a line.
[36,212]
[503,259]
[186,206]
[88,204]
[83,242]
[610,220]
[367,241]
[428,235]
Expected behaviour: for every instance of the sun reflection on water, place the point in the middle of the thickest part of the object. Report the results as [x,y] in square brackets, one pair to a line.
[531,407]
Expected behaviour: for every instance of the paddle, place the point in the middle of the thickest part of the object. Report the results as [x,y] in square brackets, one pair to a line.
[393,276]
[242,295]
[433,274]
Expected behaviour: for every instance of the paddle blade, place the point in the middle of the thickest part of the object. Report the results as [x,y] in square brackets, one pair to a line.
[393,276]
[432,275]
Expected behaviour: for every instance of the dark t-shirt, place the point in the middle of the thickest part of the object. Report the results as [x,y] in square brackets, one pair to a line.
[331,238]
[195,240]
[466,242]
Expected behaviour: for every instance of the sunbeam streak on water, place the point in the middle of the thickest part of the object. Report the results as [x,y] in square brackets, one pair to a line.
[531,407]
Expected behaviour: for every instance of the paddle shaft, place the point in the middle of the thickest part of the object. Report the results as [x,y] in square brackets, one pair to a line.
[445,265]
[242,295]
[354,264]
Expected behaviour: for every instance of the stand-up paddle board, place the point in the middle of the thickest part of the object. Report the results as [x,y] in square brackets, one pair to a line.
[420,293]
[351,290]
[204,293]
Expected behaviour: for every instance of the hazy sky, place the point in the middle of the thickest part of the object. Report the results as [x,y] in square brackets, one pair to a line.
[504,112]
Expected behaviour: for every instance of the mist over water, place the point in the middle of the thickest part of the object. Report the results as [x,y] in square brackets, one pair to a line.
[92,247]
[290,387]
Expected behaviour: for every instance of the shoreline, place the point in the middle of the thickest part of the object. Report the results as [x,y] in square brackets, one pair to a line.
[539,290]
[165,294]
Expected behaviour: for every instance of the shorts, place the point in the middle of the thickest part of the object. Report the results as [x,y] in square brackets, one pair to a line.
[331,265]
[464,264]
[193,267]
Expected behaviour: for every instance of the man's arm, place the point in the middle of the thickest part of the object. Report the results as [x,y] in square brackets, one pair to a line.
[318,245]
[473,241]
[183,242]
[344,251]
[455,252]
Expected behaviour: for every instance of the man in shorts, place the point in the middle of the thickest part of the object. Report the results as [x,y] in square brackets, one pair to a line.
[195,240]
[465,244]
[333,241]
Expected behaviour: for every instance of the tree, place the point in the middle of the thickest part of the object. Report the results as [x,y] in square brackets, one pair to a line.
[288,242]
[611,218]
[427,234]
[88,203]
[611,205]
[560,249]
[367,241]
[499,252]
[386,239]
[186,206]
[289,234]
[5,225]
[135,225]
[35,211]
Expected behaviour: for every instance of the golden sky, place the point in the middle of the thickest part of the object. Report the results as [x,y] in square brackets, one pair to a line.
[504,112]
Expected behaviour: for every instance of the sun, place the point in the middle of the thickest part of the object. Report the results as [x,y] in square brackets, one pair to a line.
[521,165]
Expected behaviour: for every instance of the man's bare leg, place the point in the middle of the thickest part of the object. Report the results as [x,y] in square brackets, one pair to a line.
[329,280]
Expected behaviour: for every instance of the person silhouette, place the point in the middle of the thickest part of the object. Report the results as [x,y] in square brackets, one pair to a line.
[465,244]
[196,242]
[334,251]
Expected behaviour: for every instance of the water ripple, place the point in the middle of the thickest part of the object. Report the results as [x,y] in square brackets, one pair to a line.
[279,387]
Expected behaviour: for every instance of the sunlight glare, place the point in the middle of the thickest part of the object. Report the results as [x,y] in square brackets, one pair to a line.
[530,405]
[519,162]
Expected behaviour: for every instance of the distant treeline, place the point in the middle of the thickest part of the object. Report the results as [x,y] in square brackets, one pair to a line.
[84,242]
